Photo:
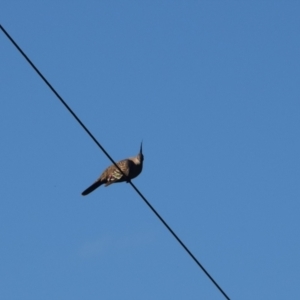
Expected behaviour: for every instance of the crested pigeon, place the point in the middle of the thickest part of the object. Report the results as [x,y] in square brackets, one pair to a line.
[131,167]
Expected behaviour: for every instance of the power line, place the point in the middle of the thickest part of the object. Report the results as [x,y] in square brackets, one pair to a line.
[110,158]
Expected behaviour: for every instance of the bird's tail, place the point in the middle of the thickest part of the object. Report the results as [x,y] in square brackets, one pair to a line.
[92,187]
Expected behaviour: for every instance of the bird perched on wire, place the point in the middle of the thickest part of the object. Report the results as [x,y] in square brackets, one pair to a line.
[131,167]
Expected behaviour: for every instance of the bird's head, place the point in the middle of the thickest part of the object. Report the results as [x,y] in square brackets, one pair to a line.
[140,155]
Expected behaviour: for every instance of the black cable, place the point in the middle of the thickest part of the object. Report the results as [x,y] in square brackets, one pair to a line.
[109,157]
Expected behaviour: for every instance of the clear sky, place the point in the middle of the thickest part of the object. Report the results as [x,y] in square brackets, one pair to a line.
[212,88]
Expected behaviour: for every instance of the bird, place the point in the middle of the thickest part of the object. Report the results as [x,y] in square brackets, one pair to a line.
[131,167]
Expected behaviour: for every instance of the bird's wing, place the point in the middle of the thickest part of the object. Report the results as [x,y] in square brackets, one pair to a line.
[113,174]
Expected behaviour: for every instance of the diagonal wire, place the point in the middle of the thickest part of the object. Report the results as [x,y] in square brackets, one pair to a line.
[110,158]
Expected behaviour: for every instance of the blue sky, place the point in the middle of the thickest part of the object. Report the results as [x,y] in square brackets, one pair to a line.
[212,88]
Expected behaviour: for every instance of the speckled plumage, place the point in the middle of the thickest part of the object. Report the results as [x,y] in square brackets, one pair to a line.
[131,167]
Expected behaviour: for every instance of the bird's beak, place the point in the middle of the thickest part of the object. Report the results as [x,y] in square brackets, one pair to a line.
[141,149]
